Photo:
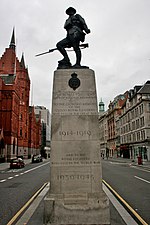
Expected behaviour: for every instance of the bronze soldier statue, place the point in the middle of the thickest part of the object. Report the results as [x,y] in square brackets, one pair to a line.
[75,26]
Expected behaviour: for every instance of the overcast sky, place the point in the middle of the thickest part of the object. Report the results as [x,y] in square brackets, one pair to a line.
[119,42]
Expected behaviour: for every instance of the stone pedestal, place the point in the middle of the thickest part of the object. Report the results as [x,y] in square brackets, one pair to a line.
[75,195]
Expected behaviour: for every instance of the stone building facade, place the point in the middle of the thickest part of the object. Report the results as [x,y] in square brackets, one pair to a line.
[135,123]
[113,113]
[128,124]
[44,113]
[103,128]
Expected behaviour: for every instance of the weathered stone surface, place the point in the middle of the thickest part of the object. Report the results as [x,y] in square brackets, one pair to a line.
[75,195]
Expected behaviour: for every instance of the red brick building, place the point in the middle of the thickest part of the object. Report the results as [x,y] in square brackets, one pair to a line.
[114,111]
[20,127]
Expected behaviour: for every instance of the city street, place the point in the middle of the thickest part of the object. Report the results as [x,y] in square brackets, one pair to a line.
[17,186]
[131,183]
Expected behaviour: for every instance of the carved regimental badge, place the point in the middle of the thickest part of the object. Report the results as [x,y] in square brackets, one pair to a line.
[74,82]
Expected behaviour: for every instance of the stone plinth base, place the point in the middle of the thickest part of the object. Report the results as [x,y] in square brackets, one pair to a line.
[77,209]
[76,195]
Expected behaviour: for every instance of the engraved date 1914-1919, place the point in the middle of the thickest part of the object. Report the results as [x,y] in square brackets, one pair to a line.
[77,133]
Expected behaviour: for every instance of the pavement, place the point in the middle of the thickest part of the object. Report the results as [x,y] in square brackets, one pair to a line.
[145,164]
[118,215]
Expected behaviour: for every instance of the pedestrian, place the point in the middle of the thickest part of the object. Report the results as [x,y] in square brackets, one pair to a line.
[107,153]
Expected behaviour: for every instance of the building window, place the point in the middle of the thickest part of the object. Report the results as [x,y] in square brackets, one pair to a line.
[130,137]
[129,127]
[134,137]
[133,125]
[141,109]
[142,121]
[124,130]
[138,136]
[143,134]
[21,117]
[120,140]
[21,132]
[137,123]
[135,112]
[132,114]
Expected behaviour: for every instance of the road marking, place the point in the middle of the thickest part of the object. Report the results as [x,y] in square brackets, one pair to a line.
[118,163]
[126,204]
[36,167]
[26,205]
[2,180]
[142,179]
[135,167]
[27,171]
[25,218]
[120,209]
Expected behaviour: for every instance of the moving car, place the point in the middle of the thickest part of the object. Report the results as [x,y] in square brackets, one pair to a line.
[17,163]
[37,158]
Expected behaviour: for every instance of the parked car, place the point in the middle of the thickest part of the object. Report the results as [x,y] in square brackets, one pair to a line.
[17,163]
[37,158]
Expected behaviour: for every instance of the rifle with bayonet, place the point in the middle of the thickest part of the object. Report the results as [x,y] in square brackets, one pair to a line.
[82,46]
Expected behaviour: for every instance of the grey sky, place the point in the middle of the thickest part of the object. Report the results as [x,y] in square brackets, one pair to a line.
[119,42]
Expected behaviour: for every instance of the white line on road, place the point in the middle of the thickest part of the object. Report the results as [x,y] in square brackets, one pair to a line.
[36,167]
[2,181]
[139,168]
[118,163]
[27,171]
[142,179]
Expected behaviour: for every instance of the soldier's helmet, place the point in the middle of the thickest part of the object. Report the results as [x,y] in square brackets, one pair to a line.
[70,10]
